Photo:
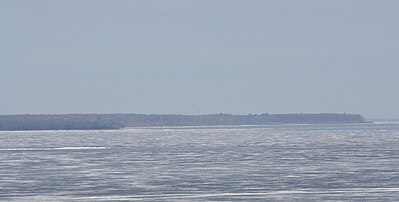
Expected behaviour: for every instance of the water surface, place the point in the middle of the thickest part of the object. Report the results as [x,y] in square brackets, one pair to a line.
[291,162]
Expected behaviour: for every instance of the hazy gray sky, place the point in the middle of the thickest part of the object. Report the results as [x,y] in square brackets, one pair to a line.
[210,56]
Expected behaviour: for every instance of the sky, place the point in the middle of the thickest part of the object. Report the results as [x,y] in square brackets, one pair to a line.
[199,57]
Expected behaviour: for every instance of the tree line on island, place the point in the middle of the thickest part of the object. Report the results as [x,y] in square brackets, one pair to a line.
[118,121]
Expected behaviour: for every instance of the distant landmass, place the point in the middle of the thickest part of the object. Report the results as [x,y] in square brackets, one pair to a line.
[118,121]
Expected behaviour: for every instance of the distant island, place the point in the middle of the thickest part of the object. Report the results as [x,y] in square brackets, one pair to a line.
[119,121]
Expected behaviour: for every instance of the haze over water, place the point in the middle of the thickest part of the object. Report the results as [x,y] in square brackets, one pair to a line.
[191,57]
[286,162]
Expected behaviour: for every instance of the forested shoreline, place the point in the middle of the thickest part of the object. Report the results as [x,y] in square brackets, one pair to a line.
[118,121]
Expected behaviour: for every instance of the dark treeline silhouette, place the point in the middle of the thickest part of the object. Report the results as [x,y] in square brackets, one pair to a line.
[117,121]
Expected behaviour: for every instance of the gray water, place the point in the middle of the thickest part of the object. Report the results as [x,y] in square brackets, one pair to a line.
[287,163]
